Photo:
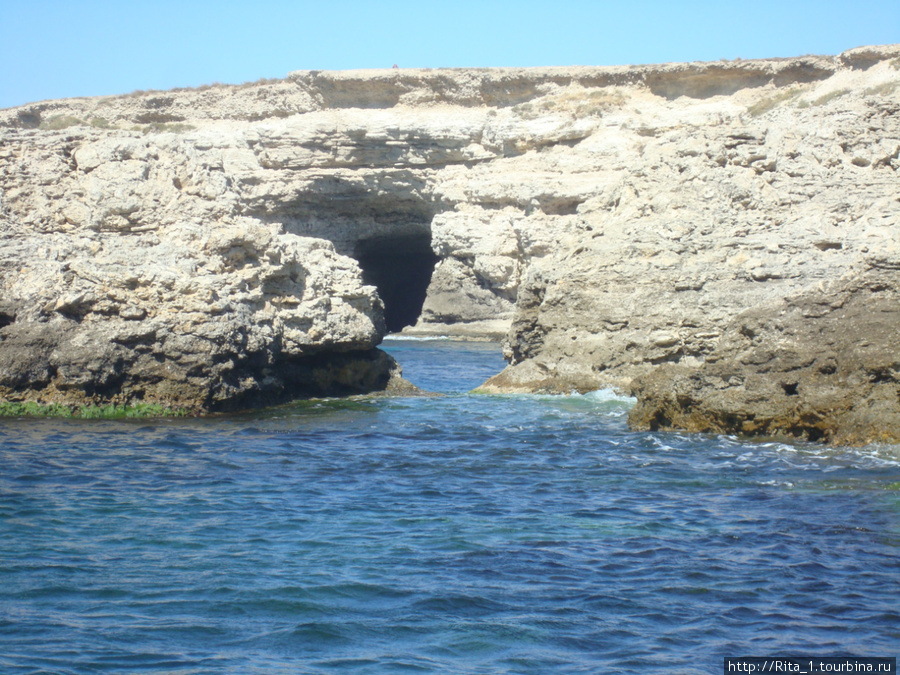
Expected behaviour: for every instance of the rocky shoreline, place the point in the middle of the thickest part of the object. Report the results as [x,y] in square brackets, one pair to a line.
[820,366]
[233,246]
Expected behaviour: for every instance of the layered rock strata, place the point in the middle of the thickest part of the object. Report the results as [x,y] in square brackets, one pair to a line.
[699,209]
[607,220]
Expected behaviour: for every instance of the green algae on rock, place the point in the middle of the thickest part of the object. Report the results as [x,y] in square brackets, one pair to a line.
[137,410]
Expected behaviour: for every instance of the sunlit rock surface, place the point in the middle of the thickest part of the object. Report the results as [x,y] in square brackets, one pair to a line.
[605,220]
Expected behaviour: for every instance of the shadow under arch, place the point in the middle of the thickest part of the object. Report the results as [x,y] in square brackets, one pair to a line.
[400,267]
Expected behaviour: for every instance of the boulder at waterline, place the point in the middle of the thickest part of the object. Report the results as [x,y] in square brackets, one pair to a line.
[823,365]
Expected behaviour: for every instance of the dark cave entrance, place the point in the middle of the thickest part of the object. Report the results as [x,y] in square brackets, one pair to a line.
[400,267]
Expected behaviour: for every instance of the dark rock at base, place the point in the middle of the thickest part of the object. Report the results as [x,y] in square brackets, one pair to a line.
[371,371]
[37,364]
[820,366]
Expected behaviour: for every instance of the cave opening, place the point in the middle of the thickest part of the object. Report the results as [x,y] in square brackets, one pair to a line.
[400,267]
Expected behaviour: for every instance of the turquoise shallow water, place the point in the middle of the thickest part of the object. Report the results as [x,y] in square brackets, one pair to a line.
[460,534]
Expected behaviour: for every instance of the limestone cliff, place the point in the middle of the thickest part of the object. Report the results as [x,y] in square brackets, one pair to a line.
[610,219]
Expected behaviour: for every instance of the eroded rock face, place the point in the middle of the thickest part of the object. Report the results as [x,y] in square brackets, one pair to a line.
[202,318]
[610,219]
[822,366]
[700,209]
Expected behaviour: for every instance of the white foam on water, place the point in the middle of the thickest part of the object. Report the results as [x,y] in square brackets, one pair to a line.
[868,456]
[596,396]
[603,395]
[776,483]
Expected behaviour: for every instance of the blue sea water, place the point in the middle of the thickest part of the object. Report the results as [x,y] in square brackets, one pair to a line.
[455,534]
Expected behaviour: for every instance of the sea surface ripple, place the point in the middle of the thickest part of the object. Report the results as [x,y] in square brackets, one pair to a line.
[457,534]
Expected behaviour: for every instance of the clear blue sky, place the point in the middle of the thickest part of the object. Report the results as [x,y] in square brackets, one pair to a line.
[54,48]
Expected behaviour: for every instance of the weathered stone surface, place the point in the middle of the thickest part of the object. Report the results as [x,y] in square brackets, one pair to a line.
[203,318]
[700,207]
[613,219]
[823,365]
